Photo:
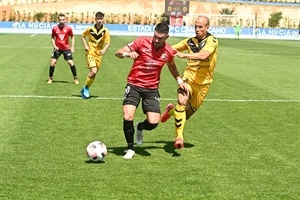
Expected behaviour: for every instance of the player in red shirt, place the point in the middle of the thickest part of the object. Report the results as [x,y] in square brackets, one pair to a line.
[60,41]
[150,54]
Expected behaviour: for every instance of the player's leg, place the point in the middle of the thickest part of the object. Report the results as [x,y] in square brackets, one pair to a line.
[196,101]
[69,58]
[93,65]
[89,81]
[130,103]
[180,116]
[54,57]
[128,129]
[169,111]
[189,109]
[151,107]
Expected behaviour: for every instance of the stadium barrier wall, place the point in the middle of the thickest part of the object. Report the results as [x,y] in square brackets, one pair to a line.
[138,30]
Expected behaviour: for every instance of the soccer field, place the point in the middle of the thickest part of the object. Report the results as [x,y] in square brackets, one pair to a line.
[243,143]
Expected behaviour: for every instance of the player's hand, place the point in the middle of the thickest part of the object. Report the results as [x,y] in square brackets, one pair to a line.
[72,50]
[102,52]
[180,55]
[183,86]
[86,47]
[133,55]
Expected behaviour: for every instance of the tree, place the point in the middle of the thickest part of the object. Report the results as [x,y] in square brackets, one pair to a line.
[226,11]
[274,19]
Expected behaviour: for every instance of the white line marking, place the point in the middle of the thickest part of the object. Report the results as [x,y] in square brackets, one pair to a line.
[164,99]
[33,35]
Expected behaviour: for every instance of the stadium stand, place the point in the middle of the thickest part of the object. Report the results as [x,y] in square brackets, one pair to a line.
[145,11]
[266,2]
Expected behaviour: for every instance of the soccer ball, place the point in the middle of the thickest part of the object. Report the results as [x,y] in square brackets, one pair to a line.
[96,151]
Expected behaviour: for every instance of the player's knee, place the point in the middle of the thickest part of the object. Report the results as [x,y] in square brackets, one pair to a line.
[149,126]
[94,71]
[127,117]
[182,100]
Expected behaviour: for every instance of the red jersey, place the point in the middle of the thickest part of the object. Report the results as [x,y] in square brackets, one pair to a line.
[61,35]
[147,67]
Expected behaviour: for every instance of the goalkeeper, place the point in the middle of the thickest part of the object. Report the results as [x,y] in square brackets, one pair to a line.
[237,31]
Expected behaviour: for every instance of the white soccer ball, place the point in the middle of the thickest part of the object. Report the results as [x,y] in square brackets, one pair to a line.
[96,151]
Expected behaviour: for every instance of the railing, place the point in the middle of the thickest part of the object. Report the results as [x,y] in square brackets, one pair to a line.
[273,2]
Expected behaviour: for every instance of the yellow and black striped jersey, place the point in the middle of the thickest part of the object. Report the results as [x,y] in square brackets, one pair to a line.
[97,39]
[200,71]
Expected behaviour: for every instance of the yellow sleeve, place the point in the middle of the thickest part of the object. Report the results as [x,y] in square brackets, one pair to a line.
[211,44]
[181,46]
[86,32]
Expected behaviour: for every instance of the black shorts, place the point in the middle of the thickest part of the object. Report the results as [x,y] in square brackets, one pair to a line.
[67,54]
[150,98]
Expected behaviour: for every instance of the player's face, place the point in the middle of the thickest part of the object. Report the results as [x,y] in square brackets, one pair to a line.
[201,27]
[159,39]
[99,20]
[61,21]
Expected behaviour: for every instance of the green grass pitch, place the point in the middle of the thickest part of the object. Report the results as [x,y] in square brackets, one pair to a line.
[243,143]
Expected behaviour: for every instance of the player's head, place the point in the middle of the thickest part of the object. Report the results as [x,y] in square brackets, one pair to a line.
[161,33]
[61,19]
[99,17]
[99,14]
[201,26]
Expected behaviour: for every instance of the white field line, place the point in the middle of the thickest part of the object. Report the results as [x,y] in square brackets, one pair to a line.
[163,99]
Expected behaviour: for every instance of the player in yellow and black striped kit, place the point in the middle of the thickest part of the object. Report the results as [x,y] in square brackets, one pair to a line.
[98,42]
[202,56]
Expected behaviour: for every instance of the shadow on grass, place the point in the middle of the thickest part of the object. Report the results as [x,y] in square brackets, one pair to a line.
[142,150]
[169,147]
[79,95]
[94,162]
[55,81]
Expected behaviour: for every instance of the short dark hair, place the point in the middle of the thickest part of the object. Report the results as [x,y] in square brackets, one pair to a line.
[99,14]
[162,28]
[61,15]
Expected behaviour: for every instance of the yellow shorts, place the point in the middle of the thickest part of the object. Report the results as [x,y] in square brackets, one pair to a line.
[93,61]
[197,95]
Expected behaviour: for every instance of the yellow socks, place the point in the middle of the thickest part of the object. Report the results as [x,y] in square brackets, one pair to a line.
[89,81]
[180,118]
[171,111]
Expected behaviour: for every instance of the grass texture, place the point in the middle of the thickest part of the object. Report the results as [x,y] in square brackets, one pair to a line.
[243,143]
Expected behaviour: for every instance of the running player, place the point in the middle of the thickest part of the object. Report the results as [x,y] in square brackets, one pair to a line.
[98,43]
[150,54]
[202,55]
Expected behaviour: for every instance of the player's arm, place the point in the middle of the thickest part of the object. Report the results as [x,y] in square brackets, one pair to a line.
[126,52]
[72,43]
[174,71]
[53,38]
[86,46]
[202,55]
[106,44]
